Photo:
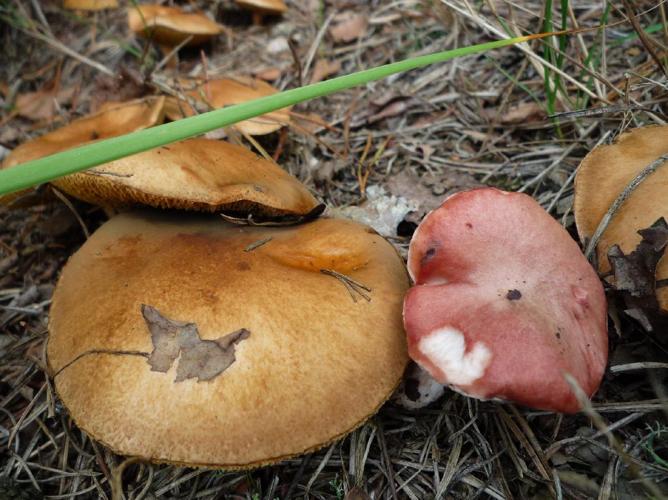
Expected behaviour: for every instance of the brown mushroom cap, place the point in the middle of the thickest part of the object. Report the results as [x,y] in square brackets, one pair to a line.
[229,91]
[113,119]
[604,174]
[313,366]
[92,5]
[170,25]
[264,6]
[196,174]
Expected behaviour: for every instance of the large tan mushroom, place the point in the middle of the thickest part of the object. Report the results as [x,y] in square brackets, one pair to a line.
[196,174]
[226,92]
[171,26]
[184,339]
[604,174]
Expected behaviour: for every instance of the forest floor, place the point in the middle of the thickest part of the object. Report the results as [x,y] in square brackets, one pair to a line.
[497,119]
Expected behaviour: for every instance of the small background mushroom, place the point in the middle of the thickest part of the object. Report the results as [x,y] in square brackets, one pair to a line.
[261,8]
[171,26]
[222,92]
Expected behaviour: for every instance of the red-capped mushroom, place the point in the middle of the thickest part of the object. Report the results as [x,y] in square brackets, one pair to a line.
[504,302]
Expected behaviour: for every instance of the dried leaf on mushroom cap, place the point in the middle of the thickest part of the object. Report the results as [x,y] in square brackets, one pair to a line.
[171,25]
[226,92]
[290,362]
[604,174]
[112,120]
[195,174]
[504,302]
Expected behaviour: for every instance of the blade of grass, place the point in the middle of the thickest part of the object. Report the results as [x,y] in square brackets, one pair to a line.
[67,162]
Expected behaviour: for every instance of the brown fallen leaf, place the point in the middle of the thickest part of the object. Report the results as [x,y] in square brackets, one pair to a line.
[349,28]
[309,123]
[43,104]
[91,5]
[324,68]
[268,74]
[126,85]
[201,359]
[524,112]
[394,108]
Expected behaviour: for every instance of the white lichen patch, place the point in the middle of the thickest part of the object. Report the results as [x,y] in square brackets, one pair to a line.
[381,211]
[446,348]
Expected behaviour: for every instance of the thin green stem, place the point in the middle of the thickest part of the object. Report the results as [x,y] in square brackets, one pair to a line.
[74,160]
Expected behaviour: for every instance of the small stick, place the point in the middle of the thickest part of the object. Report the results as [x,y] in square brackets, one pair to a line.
[351,285]
[257,244]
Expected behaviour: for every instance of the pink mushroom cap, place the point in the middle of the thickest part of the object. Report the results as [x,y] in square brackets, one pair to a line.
[504,302]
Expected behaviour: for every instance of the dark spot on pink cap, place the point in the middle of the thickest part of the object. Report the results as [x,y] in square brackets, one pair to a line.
[514,294]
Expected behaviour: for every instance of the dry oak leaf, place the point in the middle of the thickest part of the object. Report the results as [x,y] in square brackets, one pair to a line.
[349,28]
[201,359]
[43,104]
[325,68]
[635,274]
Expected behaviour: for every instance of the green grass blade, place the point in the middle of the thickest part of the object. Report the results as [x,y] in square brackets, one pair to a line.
[67,162]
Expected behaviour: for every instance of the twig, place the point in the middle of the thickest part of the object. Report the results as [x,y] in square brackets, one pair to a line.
[645,365]
[601,425]
[643,36]
[66,50]
[117,478]
[310,55]
[71,208]
[351,285]
[257,244]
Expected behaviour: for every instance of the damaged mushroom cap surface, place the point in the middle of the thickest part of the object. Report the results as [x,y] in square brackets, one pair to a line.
[604,174]
[196,174]
[188,340]
[226,92]
[504,302]
[170,25]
